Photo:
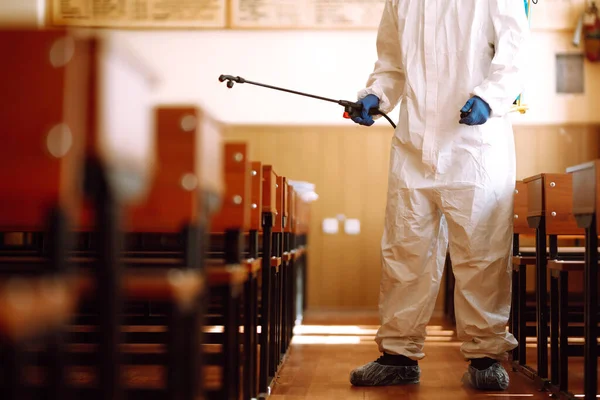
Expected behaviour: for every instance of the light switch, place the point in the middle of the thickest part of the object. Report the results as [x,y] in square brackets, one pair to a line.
[352,226]
[330,226]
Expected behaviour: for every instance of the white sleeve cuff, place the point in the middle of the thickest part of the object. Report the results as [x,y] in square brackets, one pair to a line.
[384,103]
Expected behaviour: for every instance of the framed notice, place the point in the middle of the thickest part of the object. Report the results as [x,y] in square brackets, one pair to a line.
[139,13]
[306,14]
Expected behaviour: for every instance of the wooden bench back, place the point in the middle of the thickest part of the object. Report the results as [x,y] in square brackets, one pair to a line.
[175,196]
[237,202]
[302,216]
[120,132]
[257,196]
[269,191]
[586,182]
[291,204]
[42,117]
[282,206]
[520,225]
[551,196]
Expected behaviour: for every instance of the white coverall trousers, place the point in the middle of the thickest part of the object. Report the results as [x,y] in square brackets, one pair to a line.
[450,185]
[475,220]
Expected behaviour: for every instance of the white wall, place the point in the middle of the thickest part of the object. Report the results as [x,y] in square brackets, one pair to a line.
[27,12]
[332,64]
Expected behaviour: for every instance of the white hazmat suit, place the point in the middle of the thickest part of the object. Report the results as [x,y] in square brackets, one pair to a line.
[449,184]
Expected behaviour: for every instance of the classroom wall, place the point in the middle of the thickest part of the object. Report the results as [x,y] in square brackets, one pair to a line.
[349,167]
[308,140]
[331,64]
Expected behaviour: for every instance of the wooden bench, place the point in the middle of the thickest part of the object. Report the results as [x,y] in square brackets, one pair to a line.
[585,199]
[120,154]
[302,228]
[519,279]
[270,262]
[41,160]
[117,146]
[289,277]
[278,271]
[227,295]
[251,310]
[180,202]
[549,212]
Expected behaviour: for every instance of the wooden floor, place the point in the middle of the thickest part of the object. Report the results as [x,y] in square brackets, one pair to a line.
[329,345]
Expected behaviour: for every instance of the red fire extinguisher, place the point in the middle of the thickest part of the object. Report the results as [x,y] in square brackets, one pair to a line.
[590,27]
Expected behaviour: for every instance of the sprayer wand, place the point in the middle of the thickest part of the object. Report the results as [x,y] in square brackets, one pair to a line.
[351,109]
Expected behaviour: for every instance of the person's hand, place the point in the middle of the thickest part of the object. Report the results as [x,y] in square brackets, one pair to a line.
[369,102]
[475,112]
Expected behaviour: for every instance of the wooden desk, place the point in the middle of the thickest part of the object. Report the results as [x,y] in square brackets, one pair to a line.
[585,205]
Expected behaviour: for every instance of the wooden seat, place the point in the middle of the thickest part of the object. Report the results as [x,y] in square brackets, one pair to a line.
[177,286]
[523,260]
[566,265]
[276,262]
[35,306]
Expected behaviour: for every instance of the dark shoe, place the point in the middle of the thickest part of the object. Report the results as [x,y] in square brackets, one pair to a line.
[494,377]
[387,370]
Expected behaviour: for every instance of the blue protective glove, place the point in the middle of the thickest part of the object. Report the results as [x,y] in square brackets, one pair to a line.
[475,112]
[369,102]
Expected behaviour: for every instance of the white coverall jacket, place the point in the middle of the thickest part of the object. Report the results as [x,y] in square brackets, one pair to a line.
[449,183]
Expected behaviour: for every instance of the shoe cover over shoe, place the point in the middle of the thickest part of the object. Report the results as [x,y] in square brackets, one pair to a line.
[492,378]
[374,374]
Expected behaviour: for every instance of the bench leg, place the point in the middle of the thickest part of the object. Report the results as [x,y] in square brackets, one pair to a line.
[231,348]
[107,269]
[554,327]
[11,365]
[274,323]
[57,252]
[280,312]
[291,303]
[250,339]
[251,313]
[275,307]
[108,279]
[523,315]
[563,318]
[514,315]
[591,311]
[541,300]
[176,355]
[284,303]
[265,316]
[195,240]
[56,367]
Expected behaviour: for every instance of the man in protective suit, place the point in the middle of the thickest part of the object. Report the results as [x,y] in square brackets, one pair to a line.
[457,66]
